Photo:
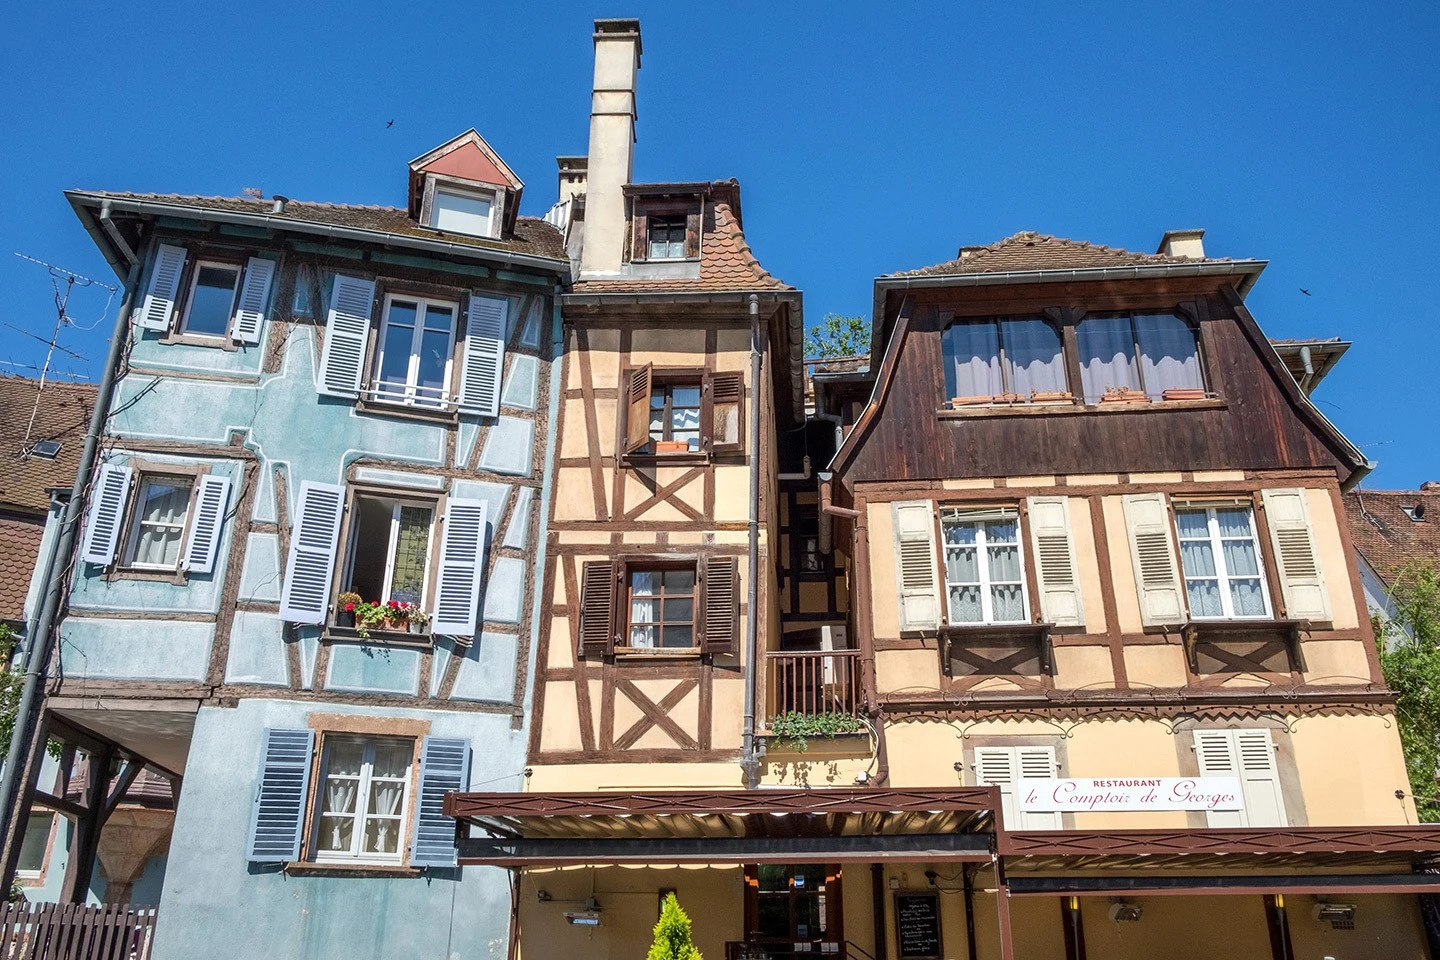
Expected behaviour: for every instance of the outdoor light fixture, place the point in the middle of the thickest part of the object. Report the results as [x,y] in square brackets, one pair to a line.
[1340,916]
[1123,911]
[590,918]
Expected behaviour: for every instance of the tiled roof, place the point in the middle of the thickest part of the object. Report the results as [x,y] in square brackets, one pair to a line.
[533,236]
[19,548]
[726,264]
[63,415]
[1028,250]
[1387,538]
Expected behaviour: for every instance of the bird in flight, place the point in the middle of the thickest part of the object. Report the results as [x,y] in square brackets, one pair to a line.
[390,124]
[1302,289]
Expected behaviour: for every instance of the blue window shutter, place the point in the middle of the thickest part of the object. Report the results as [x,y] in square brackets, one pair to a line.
[277,818]
[106,513]
[254,297]
[158,307]
[205,528]
[305,593]
[347,332]
[462,564]
[483,366]
[444,766]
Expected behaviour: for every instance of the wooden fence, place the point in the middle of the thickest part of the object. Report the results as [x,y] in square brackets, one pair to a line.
[67,931]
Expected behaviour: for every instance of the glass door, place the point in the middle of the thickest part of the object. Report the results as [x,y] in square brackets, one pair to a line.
[794,908]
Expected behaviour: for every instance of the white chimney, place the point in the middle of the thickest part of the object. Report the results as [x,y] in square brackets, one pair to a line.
[572,177]
[612,144]
[1183,243]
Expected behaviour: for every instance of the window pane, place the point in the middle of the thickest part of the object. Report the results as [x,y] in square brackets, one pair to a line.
[774,916]
[1002,531]
[462,212]
[395,353]
[685,397]
[1247,598]
[1240,559]
[165,502]
[682,636]
[1233,522]
[346,757]
[434,357]
[412,548]
[160,518]
[37,838]
[1033,358]
[644,611]
[1007,604]
[1198,558]
[679,581]
[960,533]
[645,582]
[1169,356]
[1004,564]
[386,797]
[1204,598]
[679,611]
[774,877]
[392,758]
[158,546]
[643,637]
[336,834]
[439,318]
[961,565]
[210,303]
[972,360]
[965,605]
[382,836]
[1107,356]
[1193,523]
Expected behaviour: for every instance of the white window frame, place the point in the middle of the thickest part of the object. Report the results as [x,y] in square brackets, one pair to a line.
[469,194]
[381,394]
[132,542]
[356,853]
[195,268]
[1217,551]
[395,504]
[50,818]
[961,517]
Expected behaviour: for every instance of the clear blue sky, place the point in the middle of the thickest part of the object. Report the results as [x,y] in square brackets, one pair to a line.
[867,139]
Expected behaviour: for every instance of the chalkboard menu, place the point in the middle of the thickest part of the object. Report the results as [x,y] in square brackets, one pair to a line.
[917,925]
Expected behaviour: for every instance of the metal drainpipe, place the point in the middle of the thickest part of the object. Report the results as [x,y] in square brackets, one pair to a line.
[750,763]
[53,585]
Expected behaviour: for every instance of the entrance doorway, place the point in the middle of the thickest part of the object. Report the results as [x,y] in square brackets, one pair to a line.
[792,908]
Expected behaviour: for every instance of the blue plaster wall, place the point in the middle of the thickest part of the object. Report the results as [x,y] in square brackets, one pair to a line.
[212,896]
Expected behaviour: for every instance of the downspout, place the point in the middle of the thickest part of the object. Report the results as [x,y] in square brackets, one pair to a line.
[750,762]
[1309,366]
[40,644]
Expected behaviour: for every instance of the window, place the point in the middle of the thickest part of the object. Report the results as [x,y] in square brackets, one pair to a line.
[667,237]
[390,549]
[412,365]
[363,799]
[791,901]
[157,526]
[212,299]
[300,300]
[984,569]
[1005,767]
[1220,554]
[1248,756]
[662,609]
[675,415]
[1148,353]
[461,211]
[805,556]
[35,844]
[991,358]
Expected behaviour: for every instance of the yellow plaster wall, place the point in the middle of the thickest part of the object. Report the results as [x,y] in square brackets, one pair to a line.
[1083,668]
[1350,768]
[1336,661]
[908,671]
[700,775]
[670,346]
[1155,665]
[1335,562]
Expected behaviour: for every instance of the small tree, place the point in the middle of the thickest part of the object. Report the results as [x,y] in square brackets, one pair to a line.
[837,336]
[672,934]
[1410,659]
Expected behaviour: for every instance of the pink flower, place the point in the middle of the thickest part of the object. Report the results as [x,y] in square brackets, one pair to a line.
[349,608]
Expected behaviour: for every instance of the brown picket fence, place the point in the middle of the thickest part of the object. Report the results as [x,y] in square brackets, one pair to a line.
[69,931]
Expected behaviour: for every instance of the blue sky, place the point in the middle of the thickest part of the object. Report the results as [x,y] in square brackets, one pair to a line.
[867,139]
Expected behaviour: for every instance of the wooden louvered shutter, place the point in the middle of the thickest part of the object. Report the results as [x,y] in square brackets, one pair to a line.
[106,515]
[305,595]
[692,234]
[637,408]
[347,333]
[158,307]
[462,564]
[444,767]
[1302,583]
[1259,778]
[724,433]
[277,815]
[1152,555]
[995,767]
[1216,755]
[915,566]
[249,318]
[483,366]
[207,525]
[597,609]
[639,237]
[1036,763]
[720,582]
[1055,569]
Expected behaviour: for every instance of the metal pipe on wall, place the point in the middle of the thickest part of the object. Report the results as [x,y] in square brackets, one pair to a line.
[749,762]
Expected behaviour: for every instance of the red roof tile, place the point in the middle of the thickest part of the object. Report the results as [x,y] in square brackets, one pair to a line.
[19,548]
[1386,537]
[1028,250]
[62,415]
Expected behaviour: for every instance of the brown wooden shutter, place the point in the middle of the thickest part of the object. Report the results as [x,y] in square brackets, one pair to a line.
[692,234]
[597,609]
[637,403]
[720,584]
[640,234]
[724,426]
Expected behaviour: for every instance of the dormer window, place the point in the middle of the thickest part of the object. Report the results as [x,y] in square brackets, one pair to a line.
[667,237]
[463,211]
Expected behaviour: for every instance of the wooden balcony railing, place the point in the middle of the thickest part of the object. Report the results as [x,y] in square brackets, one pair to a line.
[65,931]
[814,682]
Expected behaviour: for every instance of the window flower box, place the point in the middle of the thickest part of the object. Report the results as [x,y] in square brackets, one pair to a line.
[1121,395]
[672,446]
[1056,396]
[1183,393]
[970,401]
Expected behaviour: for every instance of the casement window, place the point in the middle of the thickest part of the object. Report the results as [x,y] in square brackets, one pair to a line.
[664,230]
[1220,556]
[213,299]
[666,237]
[984,566]
[469,212]
[390,547]
[682,412]
[153,520]
[35,844]
[361,808]
[415,350]
[989,359]
[1005,767]
[658,605]
[362,799]
[300,298]
[1248,756]
[1149,353]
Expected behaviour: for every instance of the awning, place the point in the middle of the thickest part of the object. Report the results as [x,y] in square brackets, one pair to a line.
[734,826]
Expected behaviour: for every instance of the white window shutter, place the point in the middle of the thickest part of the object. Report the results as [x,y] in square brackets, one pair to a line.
[158,307]
[462,564]
[1152,555]
[1055,567]
[347,332]
[1215,752]
[996,767]
[107,513]
[249,317]
[1259,778]
[305,596]
[484,360]
[206,525]
[1302,582]
[1036,763]
[915,566]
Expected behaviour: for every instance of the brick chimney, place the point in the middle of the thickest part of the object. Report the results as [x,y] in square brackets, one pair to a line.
[612,144]
[1183,243]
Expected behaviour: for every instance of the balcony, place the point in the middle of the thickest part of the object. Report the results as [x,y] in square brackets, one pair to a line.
[814,682]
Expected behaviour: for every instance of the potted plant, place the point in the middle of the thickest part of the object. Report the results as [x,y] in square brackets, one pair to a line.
[671,446]
[396,615]
[368,617]
[345,606]
[418,619]
[796,728]
[1123,395]
[672,934]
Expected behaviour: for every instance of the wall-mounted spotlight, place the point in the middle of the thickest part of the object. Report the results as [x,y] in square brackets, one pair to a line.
[1123,911]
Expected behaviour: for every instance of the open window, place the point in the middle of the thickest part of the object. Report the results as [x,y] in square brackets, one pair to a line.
[390,547]
[685,411]
[664,229]
[1139,356]
[211,299]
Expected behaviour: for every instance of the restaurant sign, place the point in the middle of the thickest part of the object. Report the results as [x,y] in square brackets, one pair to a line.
[1071,795]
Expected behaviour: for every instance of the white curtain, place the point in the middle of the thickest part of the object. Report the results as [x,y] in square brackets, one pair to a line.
[1169,356]
[1033,358]
[1107,356]
[972,360]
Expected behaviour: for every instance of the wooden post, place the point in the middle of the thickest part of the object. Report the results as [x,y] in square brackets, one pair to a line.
[86,840]
[967,879]
[1279,925]
[1074,928]
[877,897]
[25,800]
[1002,910]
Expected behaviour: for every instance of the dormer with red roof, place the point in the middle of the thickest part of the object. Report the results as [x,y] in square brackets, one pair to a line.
[464,187]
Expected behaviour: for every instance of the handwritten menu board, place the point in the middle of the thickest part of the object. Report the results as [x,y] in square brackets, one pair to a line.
[917,925]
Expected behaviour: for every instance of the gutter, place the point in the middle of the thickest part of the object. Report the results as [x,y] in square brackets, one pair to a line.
[82,200]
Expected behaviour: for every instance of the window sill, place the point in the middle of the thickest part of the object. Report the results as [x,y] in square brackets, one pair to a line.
[311,868]
[1062,408]
[1255,631]
[178,577]
[660,459]
[447,414]
[670,653]
[982,635]
[201,340]
[377,638]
